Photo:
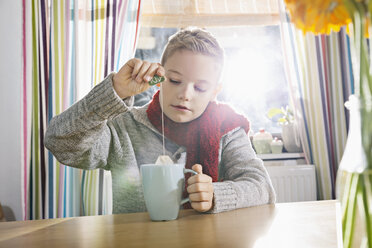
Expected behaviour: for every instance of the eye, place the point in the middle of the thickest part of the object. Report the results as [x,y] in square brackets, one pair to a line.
[199,89]
[174,81]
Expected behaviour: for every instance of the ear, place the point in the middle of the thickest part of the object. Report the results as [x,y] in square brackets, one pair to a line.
[216,91]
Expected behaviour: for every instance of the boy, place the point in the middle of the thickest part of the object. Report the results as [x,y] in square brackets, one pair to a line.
[103,130]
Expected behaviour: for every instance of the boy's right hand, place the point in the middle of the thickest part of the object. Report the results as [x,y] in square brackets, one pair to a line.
[133,78]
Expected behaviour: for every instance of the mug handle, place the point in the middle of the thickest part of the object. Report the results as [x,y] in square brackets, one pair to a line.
[183,201]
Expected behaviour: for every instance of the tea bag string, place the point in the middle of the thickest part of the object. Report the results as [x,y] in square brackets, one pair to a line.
[162,117]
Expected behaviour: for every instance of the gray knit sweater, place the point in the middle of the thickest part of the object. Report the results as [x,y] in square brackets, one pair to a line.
[103,131]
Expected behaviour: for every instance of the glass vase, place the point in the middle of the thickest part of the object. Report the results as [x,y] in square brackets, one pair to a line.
[354,184]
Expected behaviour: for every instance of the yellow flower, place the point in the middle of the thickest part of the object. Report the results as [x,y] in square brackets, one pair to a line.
[318,16]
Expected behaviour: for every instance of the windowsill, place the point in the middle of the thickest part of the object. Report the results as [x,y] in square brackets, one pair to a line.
[278,156]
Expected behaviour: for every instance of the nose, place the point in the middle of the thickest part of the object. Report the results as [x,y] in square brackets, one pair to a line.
[186,92]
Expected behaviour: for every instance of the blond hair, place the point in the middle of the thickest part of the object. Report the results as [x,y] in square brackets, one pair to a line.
[196,40]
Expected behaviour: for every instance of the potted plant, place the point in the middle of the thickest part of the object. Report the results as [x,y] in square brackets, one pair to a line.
[285,118]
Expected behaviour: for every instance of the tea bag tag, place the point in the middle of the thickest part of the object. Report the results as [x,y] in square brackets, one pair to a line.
[156,80]
[164,160]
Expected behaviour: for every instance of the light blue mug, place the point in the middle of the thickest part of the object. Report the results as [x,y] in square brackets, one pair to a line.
[163,186]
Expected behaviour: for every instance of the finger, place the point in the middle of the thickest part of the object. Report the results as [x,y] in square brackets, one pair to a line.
[132,62]
[151,72]
[201,206]
[199,178]
[136,64]
[200,187]
[160,71]
[198,168]
[143,70]
[200,197]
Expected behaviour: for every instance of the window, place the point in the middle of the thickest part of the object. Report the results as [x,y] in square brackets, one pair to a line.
[254,78]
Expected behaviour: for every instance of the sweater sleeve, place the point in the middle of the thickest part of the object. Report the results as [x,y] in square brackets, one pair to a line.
[80,137]
[245,182]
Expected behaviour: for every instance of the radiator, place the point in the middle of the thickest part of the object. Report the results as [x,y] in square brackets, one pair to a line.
[293,183]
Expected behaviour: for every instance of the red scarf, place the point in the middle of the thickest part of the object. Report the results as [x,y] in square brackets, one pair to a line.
[202,136]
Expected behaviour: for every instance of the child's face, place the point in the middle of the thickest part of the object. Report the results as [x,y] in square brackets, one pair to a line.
[191,83]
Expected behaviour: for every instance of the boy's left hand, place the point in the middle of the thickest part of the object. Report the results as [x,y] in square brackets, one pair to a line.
[200,189]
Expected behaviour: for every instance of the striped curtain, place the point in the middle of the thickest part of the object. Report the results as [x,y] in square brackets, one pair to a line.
[319,72]
[68,47]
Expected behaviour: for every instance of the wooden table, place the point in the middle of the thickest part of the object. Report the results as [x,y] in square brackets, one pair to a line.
[303,224]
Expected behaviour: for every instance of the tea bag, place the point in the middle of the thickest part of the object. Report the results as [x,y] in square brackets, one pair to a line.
[164,160]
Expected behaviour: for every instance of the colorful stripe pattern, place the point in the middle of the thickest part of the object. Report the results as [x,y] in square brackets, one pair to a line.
[318,69]
[68,46]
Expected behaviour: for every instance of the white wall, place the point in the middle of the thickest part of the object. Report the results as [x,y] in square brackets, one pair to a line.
[10,106]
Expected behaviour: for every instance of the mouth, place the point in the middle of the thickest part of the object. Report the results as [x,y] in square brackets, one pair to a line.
[180,108]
